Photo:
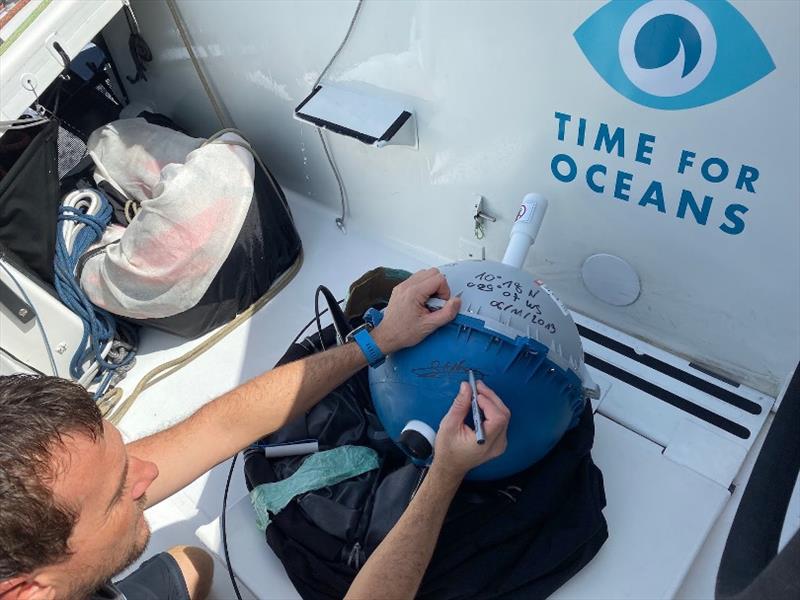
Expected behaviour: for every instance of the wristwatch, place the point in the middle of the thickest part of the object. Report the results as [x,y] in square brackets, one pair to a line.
[360,335]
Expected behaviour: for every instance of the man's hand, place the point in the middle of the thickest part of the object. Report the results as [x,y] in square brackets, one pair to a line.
[400,560]
[457,450]
[407,321]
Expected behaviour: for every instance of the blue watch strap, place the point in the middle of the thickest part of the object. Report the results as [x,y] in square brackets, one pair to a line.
[370,349]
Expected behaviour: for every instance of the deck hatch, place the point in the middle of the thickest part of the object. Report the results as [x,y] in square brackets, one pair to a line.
[673,371]
[669,397]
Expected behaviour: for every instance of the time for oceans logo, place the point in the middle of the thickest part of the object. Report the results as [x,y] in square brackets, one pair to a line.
[674,54]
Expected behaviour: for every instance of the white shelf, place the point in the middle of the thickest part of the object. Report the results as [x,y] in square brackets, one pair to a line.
[31,56]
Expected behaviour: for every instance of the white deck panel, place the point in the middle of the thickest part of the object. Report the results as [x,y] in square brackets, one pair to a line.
[659,512]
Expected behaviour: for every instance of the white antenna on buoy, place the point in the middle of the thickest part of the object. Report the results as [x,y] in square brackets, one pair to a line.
[526,228]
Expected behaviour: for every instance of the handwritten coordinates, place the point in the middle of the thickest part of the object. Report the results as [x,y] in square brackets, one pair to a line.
[507,295]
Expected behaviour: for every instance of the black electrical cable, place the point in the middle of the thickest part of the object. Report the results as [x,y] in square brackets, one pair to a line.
[222,521]
[307,325]
[225,531]
[317,315]
[340,322]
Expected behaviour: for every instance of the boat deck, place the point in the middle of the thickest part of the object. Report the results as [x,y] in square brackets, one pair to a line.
[668,472]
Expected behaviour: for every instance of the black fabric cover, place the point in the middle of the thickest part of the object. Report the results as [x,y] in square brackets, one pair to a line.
[29,197]
[521,537]
[267,245]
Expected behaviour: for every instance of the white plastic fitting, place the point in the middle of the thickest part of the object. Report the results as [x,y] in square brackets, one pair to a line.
[418,439]
[526,227]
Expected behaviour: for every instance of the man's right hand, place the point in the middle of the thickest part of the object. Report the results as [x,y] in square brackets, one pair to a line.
[457,450]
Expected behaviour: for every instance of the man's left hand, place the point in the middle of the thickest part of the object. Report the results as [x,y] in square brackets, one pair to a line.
[407,320]
[457,450]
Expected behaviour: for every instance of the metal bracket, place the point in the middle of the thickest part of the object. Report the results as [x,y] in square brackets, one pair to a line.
[18,308]
[480,216]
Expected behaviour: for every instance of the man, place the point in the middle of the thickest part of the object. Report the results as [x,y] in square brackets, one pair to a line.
[73,495]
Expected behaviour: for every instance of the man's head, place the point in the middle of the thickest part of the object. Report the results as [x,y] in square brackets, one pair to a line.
[71,498]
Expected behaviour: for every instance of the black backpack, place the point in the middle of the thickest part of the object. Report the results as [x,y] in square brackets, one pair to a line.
[521,537]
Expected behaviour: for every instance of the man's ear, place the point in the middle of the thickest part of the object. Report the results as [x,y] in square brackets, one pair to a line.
[24,587]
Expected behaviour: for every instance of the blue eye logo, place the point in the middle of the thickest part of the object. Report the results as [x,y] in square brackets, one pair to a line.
[674,54]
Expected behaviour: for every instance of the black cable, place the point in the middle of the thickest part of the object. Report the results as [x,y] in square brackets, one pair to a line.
[316,318]
[317,315]
[340,322]
[223,524]
[225,531]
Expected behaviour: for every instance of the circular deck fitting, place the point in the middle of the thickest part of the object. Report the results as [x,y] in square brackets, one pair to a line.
[611,279]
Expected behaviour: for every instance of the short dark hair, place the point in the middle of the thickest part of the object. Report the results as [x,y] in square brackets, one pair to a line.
[36,412]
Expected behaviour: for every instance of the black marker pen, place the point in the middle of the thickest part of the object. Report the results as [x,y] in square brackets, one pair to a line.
[476,411]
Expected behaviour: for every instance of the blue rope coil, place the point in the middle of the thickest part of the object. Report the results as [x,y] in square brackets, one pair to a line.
[99,326]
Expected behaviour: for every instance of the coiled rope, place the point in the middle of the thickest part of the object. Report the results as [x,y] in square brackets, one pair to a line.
[107,346]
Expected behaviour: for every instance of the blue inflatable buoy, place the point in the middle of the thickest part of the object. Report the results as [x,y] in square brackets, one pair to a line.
[516,336]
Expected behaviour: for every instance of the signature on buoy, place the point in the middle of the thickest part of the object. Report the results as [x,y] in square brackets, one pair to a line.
[442,369]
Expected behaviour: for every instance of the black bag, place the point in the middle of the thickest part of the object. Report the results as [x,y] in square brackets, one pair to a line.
[29,196]
[521,537]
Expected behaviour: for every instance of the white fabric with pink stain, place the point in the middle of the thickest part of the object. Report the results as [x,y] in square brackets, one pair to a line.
[194,200]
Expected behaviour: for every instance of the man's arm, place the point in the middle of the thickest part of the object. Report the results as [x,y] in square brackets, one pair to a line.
[396,567]
[260,406]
